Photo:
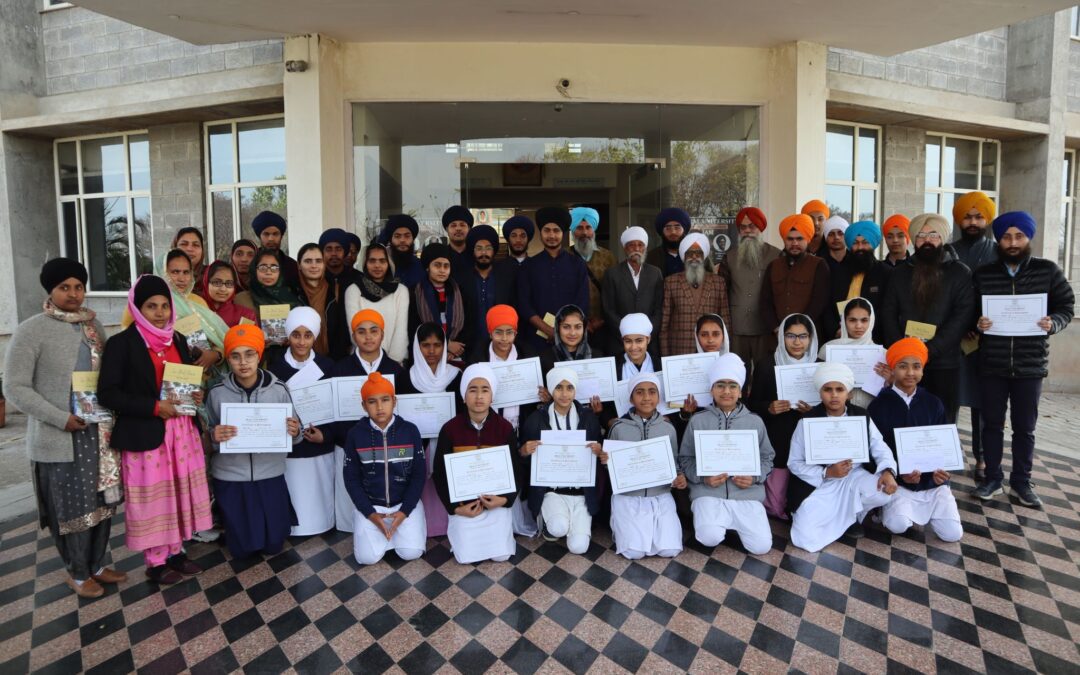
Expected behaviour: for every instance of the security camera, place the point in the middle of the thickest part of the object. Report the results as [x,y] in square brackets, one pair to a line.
[563,87]
[294,66]
[564,83]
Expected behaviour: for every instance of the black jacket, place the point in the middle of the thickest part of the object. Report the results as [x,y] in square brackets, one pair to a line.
[531,429]
[874,285]
[1026,356]
[503,291]
[953,313]
[128,386]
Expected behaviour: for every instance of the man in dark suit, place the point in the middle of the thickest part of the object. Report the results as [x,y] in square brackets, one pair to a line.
[633,287]
[485,284]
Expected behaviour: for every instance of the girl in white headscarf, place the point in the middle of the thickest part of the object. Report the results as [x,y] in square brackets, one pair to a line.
[857,328]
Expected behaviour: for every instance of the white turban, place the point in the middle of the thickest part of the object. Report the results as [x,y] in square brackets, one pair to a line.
[478,371]
[303,316]
[641,378]
[634,234]
[834,223]
[557,375]
[834,372]
[728,367]
[691,239]
[635,324]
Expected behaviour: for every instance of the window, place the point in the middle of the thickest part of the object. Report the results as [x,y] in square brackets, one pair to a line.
[956,165]
[55,4]
[852,170]
[103,207]
[245,174]
[1068,214]
[1074,22]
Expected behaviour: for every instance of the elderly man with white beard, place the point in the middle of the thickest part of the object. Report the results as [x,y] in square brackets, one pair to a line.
[751,339]
[634,287]
[584,222]
[688,294]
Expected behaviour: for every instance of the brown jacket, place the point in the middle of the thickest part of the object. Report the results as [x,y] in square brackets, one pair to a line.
[745,293]
[798,288]
[600,262]
[684,305]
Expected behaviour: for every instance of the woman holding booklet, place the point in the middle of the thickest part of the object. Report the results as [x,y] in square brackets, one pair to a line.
[164,470]
[309,470]
[857,328]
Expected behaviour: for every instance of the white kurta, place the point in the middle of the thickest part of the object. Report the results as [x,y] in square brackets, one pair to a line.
[311,489]
[487,536]
[713,517]
[645,525]
[919,507]
[567,516]
[409,540]
[343,506]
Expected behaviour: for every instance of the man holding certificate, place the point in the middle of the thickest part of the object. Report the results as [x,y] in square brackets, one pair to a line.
[1012,365]
[843,491]
[559,499]
[723,494]
[924,495]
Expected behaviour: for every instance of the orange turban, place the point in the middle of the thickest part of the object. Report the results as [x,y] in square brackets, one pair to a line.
[245,335]
[800,222]
[897,220]
[501,315]
[368,315]
[973,200]
[376,384]
[815,205]
[756,216]
[908,346]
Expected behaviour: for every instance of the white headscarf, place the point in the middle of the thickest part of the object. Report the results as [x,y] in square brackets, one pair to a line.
[426,381]
[478,371]
[866,339]
[782,357]
[724,348]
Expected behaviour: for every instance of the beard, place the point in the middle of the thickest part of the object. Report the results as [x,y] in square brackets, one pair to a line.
[671,245]
[482,264]
[695,273]
[861,261]
[748,253]
[401,258]
[926,279]
[972,233]
[585,246]
[1014,259]
[636,258]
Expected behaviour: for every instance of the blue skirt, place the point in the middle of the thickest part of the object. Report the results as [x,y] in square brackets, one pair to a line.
[258,514]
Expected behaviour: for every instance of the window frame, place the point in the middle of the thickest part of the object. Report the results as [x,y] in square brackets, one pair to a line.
[938,190]
[1069,203]
[49,6]
[855,184]
[80,197]
[1074,23]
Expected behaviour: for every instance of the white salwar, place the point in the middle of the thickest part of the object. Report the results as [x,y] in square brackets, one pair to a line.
[523,521]
[713,517]
[919,507]
[311,489]
[643,526]
[488,536]
[567,516]
[343,504]
[409,540]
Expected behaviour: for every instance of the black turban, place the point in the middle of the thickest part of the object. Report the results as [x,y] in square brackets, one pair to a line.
[149,286]
[518,223]
[336,235]
[58,270]
[396,222]
[456,213]
[432,252]
[267,219]
[553,214]
[481,232]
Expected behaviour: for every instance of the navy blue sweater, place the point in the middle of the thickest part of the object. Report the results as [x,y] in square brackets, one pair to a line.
[889,412]
[384,468]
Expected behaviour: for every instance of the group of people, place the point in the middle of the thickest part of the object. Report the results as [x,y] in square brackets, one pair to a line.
[436,322]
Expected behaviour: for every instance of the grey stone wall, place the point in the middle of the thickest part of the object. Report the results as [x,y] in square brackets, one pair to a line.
[903,169]
[974,65]
[1073,87]
[176,180]
[84,50]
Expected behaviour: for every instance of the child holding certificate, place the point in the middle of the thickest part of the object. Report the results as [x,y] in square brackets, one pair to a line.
[922,497]
[571,344]
[385,471]
[309,470]
[644,522]
[843,492]
[480,529]
[637,357]
[250,486]
[857,328]
[723,502]
[563,511]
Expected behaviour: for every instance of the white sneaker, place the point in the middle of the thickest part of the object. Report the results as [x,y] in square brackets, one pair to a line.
[206,536]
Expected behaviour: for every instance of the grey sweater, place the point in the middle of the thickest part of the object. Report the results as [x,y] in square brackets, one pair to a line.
[37,380]
[632,428]
[246,466]
[712,418]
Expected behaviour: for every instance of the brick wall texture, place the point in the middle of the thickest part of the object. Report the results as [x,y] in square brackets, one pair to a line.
[176,180]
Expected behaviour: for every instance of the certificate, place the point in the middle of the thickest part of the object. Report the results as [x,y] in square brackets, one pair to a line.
[260,427]
[735,452]
[429,412]
[860,358]
[1015,315]
[829,440]
[795,383]
[687,374]
[622,397]
[929,448]
[563,465]
[348,403]
[639,465]
[314,402]
[311,372]
[518,382]
[596,377]
[472,473]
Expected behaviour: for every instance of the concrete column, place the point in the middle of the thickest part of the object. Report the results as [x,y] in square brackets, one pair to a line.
[903,179]
[176,182]
[317,141]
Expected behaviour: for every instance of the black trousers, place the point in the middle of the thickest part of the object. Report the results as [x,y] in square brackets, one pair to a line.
[945,384]
[83,552]
[1021,396]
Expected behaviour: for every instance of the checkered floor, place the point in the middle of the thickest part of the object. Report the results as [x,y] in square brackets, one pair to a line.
[1005,599]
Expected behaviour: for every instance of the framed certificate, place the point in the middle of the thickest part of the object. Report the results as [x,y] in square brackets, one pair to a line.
[487,471]
[596,377]
[929,448]
[638,465]
[348,403]
[260,427]
[861,359]
[518,382]
[314,402]
[622,397]
[687,374]
[563,465]
[735,452]
[796,383]
[829,440]
[429,412]
[1015,315]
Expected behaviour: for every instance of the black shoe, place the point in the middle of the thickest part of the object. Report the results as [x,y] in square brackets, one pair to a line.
[1025,495]
[856,531]
[988,490]
[979,472]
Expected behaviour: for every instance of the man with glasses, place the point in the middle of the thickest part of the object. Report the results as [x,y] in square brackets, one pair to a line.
[930,296]
[483,284]
[634,287]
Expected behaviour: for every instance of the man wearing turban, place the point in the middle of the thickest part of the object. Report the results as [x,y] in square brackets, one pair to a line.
[860,275]
[584,223]
[485,283]
[819,213]
[895,232]
[1012,368]
[399,234]
[551,279]
[834,250]
[458,221]
[796,282]
[671,226]
[688,295]
[270,228]
[335,244]
[751,338]
[632,287]
[927,297]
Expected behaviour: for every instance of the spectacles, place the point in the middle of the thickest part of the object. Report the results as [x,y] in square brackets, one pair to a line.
[929,236]
[218,283]
[248,357]
[797,336]
[483,249]
[268,268]
[503,333]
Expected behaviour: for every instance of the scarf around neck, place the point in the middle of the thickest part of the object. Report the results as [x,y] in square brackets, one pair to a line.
[157,339]
[421,375]
[375,291]
[427,305]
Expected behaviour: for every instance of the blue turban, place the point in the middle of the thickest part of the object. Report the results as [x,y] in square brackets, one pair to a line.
[1021,220]
[867,229]
[516,223]
[267,219]
[481,232]
[580,213]
[669,214]
[336,235]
